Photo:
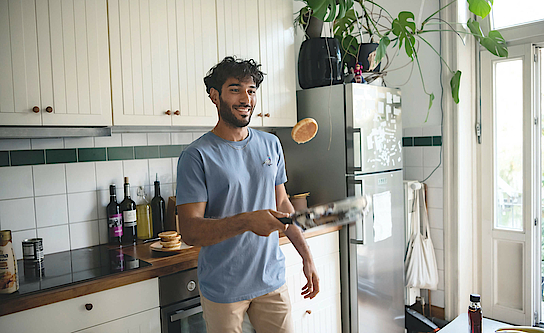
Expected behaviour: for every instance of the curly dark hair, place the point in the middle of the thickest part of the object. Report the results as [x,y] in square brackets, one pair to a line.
[231,67]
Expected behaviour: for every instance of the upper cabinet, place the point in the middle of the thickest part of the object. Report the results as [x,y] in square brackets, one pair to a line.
[55,63]
[277,54]
[160,53]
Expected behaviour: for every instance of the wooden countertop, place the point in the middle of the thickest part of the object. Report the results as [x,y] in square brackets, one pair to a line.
[161,264]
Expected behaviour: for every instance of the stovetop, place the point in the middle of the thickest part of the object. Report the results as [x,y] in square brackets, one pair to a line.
[69,267]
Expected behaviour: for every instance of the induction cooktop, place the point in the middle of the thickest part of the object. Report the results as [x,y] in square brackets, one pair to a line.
[69,267]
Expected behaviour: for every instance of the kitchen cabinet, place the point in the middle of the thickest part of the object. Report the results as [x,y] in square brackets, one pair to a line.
[160,52]
[277,47]
[143,322]
[323,313]
[111,308]
[55,58]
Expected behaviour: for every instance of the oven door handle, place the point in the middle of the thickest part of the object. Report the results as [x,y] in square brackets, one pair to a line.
[185,313]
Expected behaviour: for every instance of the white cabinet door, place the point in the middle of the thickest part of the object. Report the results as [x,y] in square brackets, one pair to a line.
[19,73]
[55,57]
[193,24]
[238,36]
[140,54]
[74,62]
[72,315]
[143,322]
[160,53]
[323,313]
[277,54]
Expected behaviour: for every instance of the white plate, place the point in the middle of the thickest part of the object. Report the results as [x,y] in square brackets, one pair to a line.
[157,246]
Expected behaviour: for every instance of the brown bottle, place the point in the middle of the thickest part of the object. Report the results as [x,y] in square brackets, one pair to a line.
[475,314]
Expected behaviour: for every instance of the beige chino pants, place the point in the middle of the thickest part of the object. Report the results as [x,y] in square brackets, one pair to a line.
[270,313]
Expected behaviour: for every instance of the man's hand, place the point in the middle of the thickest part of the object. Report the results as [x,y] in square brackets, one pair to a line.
[264,222]
[311,288]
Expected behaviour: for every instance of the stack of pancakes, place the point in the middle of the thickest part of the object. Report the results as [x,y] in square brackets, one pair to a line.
[170,240]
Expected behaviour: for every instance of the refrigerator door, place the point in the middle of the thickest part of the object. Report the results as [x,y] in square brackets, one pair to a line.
[377,256]
[373,128]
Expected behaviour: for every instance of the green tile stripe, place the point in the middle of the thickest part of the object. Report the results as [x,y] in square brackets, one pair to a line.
[4,158]
[74,155]
[422,141]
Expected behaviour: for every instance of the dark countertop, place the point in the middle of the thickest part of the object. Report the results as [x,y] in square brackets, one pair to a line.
[161,264]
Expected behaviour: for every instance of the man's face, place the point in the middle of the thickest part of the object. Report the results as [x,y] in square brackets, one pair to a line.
[237,101]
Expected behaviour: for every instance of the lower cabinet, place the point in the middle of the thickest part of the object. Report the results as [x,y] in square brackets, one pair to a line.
[136,303]
[143,322]
[322,313]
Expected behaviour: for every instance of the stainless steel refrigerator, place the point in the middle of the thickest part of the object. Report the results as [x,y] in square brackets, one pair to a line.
[358,151]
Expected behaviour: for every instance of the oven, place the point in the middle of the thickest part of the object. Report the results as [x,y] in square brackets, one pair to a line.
[181,311]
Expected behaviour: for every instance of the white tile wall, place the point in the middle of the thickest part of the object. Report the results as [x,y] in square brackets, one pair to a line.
[156,139]
[134,139]
[108,141]
[51,210]
[80,177]
[84,234]
[82,207]
[418,164]
[56,143]
[55,239]
[17,214]
[49,179]
[66,203]
[16,182]
[14,144]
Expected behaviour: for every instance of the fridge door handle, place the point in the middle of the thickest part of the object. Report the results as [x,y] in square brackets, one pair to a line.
[357,241]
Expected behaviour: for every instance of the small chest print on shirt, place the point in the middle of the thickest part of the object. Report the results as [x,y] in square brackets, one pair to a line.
[268,161]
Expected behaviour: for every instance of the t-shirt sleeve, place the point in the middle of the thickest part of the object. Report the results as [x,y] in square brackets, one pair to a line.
[281,176]
[191,181]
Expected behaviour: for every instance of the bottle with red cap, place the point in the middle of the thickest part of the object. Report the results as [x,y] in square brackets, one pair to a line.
[475,314]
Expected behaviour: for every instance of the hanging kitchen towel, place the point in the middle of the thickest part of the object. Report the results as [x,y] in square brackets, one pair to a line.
[420,262]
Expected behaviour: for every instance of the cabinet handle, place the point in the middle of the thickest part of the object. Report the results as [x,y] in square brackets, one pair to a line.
[49,109]
[267,114]
[177,113]
[88,306]
[168,112]
[309,311]
[36,109]
[259,114]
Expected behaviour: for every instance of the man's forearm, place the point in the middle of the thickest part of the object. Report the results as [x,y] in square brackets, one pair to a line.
[299,242]
[202,231]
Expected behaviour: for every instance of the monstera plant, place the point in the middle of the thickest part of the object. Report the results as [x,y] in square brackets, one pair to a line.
[373,23]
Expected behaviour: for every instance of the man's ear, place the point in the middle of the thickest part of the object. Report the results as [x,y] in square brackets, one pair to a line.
[214,96]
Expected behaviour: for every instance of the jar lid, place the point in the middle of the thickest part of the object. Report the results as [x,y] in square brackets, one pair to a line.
[5,235]
[474,297]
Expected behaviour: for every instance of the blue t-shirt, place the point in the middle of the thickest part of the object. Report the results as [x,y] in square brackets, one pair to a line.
[235,177]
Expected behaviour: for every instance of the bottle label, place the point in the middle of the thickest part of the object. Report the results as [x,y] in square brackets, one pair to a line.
[115,224]
[9,281]
[129,218]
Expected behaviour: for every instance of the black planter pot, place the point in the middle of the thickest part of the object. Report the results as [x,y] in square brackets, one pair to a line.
[364,51]
[319,65]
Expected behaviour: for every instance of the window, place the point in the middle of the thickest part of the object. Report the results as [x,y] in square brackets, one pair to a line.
[509,13]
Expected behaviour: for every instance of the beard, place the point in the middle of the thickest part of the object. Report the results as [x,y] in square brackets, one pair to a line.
[227,114]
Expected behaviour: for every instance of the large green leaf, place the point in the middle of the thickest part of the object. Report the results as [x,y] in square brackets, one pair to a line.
[382,47]
[480,7]
[404,30]
[455,82]
[328,10]
[345,25]
[494,42]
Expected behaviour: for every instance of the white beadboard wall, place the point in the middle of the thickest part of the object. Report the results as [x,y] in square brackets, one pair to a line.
[65,204]
[419,162]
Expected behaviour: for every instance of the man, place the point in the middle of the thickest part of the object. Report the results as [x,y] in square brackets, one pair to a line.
[230,192]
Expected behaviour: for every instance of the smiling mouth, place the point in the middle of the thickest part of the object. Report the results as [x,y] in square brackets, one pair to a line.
[244,110]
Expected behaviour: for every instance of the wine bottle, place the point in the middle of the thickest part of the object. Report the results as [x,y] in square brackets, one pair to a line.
[128,209]
[115,218]
[157,209]
[143,214]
